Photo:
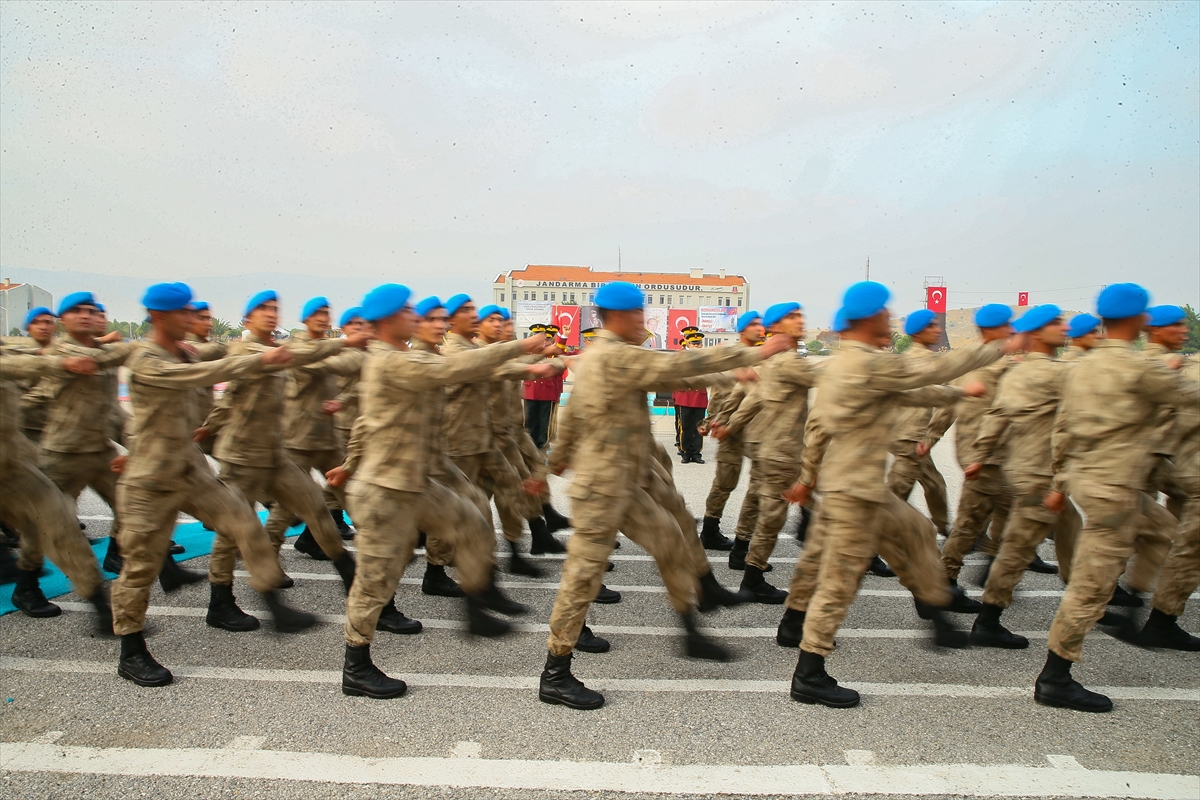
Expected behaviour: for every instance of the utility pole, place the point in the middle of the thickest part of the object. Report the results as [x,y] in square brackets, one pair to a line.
[868,252]
[618,260]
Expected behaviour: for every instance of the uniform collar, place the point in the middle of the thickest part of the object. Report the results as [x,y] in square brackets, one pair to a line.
[1037,357]
[1112,344]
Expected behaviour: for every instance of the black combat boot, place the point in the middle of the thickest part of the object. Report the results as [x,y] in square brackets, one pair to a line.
[495,600]
[175,549]
[104,618]
[589,642]
[1037,565]
[305,543]
[944,632]
[791,628]
[138,665]
[960,603]
[697,645]
[1055,687]
[173,577]
[711,536]
[759,590]
[344,564]
[813,685]
[437,582]
[554,520]
[802,524]
[361,678]
[540,540]
[392,620]
[607,596]
[1162,630]
[713,595]
[737,554]
[481,623]
[287,582]
[519,565]
[286,618]
[223,611]
[988,632]
[879,568]
[339,521]
[112,557]
[27,596]
[1125,599]
[559,687]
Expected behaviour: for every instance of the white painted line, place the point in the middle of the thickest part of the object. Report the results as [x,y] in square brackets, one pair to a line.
[530,682]
[968,780]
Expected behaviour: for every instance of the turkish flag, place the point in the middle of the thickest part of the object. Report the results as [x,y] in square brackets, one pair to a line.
[679,318]
[567,320]
[1022,298]
[935,299]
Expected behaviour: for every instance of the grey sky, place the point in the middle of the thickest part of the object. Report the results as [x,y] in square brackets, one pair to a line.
[1005,146]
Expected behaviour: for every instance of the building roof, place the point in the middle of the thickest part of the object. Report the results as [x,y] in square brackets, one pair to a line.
[6,286]
[500,278]
[545,272]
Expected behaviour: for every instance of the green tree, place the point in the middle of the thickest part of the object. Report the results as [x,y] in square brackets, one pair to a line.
[816,346]
[130,330]
[15,332]
[1192,345]
[225,330]
[901,342]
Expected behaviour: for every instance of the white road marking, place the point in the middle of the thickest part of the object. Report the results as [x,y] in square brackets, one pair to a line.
[969,780]
[530,682]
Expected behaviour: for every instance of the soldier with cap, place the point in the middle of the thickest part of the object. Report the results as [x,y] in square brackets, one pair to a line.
[731,449]
[41,325]
[540,397]
[393,457]
[351,322]
[690,408]
[166,473]
[1084,331]
[912,463]
[200,338]
[611,461]
[861,389]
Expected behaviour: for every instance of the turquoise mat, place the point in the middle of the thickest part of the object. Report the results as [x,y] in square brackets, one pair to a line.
[195,539]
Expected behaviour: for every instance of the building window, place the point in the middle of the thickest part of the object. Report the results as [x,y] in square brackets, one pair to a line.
[649,300]
[572,297]
[739,302]
[669,300]
[545,295]
[662,301]
[502,297]
[552,296]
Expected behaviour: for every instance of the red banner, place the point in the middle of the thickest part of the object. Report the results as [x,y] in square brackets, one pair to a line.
[1022,298]
[935,299]
[680,318]
[567,320]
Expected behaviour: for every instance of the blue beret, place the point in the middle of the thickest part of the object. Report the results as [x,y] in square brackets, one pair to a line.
[1165,315]
[167,297]
[745,320]
[456,302]
[839,321]
[1122,300]
[864,299]
[505,314]
[1082,325]
[199,305]
[100,307]
[385,300]
[619,296]
[919,321]
[352,313]
[263,297]
[427,305]
[487,311]
[1037,317]
[76,299]
[36,312]
[993,315]
[313,306]
[778,312]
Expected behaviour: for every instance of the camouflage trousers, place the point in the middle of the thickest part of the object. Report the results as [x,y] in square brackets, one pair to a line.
[387,521]
[663,491]
[1028,526]
[501,479]
[907,470]
[148,520]
[1155,538]
[31,504]
[1181,572]
[748,514]
[987,498]
[853,532]
[773,479]
[730,452]
[437,552]
[597,518]
[292,490]
[72,473]
[307,460]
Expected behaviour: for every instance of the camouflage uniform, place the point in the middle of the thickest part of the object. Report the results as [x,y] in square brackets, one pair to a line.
[1181,572]
[612,460]
[1110,402]
[167,473]
[907,467]
[743,402]
[205,351]
[730,452]
[861,389]
[395,456]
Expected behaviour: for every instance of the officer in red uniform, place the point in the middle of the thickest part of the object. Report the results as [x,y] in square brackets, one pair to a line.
[541,397]
[690,407]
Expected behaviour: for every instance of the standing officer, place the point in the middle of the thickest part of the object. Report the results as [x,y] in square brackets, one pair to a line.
[540,397]
[611,462]
[730,450]
[912,463]
[690,407]
[1111,403]
[166,473]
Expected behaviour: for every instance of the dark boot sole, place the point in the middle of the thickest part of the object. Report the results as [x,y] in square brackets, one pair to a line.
[1054,703]
[42,613]
[351,691]
[408,630]
[141,682]
[558,701]
[814,700]
[524,569]
[295,626]
[593,649]
[784,641]
[243,627]
[765,600]
[724,546]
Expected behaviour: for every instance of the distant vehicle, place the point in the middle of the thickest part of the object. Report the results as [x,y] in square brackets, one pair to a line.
[802,349]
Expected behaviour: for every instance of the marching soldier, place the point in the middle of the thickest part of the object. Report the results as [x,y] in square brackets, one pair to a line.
[200,338]
[1084,331]
[41,325]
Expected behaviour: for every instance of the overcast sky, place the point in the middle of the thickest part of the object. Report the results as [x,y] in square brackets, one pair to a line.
[1008,146]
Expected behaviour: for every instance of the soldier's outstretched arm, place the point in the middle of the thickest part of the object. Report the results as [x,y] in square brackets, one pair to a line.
[416,370]
[648,370]
[900,374]
[931,396]
[153,370]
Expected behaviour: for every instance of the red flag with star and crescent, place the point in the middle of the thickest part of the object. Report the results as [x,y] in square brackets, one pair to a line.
[1022,298]
[935,299]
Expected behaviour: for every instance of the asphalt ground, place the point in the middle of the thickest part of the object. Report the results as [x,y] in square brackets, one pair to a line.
[261,715]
